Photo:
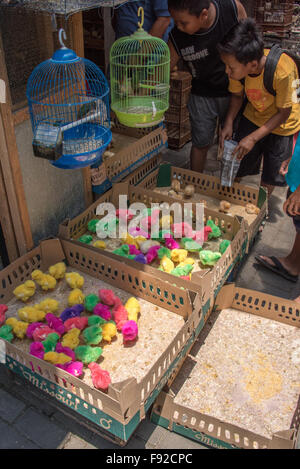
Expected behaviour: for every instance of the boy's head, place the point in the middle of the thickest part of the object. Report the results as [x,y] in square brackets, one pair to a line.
[189,15]
[242,49]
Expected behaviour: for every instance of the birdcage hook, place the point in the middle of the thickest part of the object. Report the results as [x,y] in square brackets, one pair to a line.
[61,33]
[141,14]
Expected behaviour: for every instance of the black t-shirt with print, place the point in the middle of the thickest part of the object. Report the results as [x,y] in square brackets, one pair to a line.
[200,53]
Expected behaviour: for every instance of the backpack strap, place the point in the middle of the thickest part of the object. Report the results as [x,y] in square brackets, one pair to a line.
[270,67]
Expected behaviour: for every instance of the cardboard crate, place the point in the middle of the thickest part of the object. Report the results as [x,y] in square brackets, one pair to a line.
[210,186]
[218,432]
[180,81]
[117,412]
[131,151]
[210,281]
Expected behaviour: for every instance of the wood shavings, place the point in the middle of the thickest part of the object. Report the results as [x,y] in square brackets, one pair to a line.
[157,328]
[242,368]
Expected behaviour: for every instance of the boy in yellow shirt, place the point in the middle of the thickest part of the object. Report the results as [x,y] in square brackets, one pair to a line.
[269,122]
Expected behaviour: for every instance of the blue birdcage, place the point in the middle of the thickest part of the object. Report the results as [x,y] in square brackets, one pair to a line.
[68,98]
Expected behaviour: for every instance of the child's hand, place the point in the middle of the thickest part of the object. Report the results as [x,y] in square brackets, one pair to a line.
[285,167]
[292,204]
[225,134]
[244,147]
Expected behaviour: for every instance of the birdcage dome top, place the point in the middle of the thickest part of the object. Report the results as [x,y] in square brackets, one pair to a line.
[65,55]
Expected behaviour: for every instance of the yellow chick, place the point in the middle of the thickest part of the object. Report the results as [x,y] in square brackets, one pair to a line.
[74,280]
[48,305]
[25,291]
[58,270]
[128,239]
[166,264]
[166,221]
[19,327]
[109,330]
[99,244]
[57,358]
[133,307]
[139,240]
[45,281]
[76,297]
[187,261]
[31,314]
[71,338]
[178,255]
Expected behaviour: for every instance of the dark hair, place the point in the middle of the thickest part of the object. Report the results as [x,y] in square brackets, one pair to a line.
[194,7]
[244,41]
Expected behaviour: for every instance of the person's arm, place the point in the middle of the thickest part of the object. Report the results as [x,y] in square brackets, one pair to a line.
[241,10]
[236,102]
[174,57]
[247,143]
[160,26]
[292,204]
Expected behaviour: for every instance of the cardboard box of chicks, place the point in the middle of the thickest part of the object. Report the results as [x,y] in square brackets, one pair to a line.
[92,333]
[247,202]
[175,252]
[239,386]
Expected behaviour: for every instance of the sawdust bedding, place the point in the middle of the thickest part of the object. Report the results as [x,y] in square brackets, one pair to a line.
[214,204]
[243,370]
[157,329]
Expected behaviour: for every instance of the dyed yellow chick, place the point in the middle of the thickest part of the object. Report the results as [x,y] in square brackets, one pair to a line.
[128,239]
[166,264]
[58,270]
[139,240]
[133,307]
[187,261]
[71,338]
[57,358]
[109,330]
[76,297]
[25,291]
[178,255]
[48,305]
[31,314]
[45,281]
[19,327]
[166,221]
[74,280]
[99,244]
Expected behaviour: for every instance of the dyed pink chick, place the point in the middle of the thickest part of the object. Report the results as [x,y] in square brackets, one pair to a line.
[102,311]
[55,323]
[3,309]
[107,296]
[202,236]
[137,231]
[77,322]
[129,331]
[31,328]
[37,350]
[124,214]
[66,350]
[120,316]
[133,249]
[40,333]
[74,368]
[182,230]
[101,378]
[171,243]
[185,277]
[152,254]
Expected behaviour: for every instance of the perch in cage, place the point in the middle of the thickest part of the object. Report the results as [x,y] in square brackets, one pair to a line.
[140,78]
[68,98]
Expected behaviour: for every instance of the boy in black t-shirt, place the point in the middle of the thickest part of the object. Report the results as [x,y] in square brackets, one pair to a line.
[199,26]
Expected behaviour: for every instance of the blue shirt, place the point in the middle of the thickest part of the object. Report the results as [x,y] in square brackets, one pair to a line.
[127,18]
[293,175]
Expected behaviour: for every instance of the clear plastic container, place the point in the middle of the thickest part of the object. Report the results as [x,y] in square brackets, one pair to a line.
[229,164]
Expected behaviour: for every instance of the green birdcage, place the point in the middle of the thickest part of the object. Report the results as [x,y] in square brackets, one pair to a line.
[140,78]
